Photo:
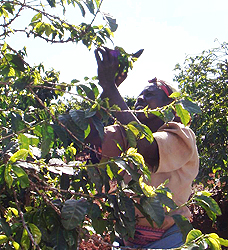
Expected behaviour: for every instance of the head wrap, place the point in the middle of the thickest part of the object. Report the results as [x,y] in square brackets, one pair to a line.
[162,85]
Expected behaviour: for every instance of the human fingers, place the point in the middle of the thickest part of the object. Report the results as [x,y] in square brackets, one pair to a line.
[97,56]
[103,53]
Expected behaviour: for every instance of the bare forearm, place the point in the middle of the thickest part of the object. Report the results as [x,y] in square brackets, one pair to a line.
[115,98]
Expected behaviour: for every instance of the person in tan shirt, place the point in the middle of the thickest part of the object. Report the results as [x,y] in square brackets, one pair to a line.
[172,155]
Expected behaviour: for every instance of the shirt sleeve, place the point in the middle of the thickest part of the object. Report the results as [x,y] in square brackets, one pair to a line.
[176,146]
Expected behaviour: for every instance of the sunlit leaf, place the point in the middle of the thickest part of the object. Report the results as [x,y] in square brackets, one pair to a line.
[3,239]
[183,114]
[16,245]
[223,242]
[193,235]
[21,154]
[25,241]
[22,176]
[214,244]
[7,175]
[35,232]
[37,17]
[26,139]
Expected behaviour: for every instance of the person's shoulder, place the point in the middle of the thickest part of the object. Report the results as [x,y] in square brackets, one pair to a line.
[177,128]
[174,125]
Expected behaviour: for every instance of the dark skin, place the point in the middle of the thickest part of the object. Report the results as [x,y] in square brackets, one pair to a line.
[151,96]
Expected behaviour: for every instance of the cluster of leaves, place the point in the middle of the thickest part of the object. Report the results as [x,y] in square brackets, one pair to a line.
[53,190]
[54,29]
[204,77]
[59,197]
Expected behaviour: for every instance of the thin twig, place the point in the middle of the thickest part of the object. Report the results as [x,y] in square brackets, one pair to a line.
[24,223]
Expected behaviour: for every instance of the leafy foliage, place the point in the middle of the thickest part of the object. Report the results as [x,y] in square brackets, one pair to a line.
[204,77]
[53,191]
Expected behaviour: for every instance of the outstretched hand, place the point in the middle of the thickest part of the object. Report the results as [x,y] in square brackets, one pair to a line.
[109,72]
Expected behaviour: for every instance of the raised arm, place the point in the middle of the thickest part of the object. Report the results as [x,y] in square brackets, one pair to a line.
[107,68]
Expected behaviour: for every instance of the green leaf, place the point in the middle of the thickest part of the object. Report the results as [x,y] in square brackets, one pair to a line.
[111,22]
[25,241]
[98,3]
[7,175]
[35,232]
[22,176]
[57,239]
[164,199]
[4,227]
[21,154]
[95,178]
[223,242]
[90,6]
[94,89]
[210,202]
[16,245]
[94,211]
[100,225]
[26,139]
[154,209]
[123,165]
[175,95]
[127,207]
[183,114]
[138,53]
[51,3]
[81,8]
[3,239]
[71,238]
[192,108]
[48,30]
[183,223]
[109,171]
[214,244]
[193,235]
[37,17]
[131,138]
[87,131]
[84,90]
[68,122]
[61,134]
[99,126]
[11,72]
[4,47]
[142,129]
[78,116]
[18,62]
[73,213]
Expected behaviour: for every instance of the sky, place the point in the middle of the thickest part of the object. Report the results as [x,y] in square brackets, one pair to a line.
[167,30]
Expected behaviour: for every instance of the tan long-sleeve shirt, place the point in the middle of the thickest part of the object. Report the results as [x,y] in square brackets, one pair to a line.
[178,161]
